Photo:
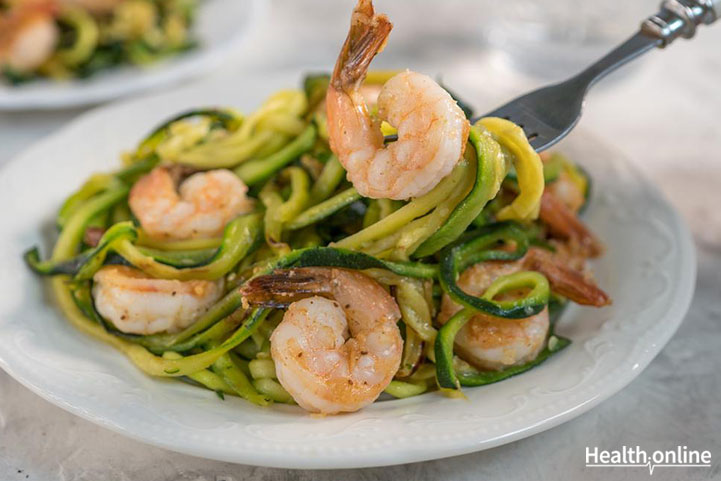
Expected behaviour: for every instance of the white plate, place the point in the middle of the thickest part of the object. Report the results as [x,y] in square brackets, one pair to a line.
[220,28]
[649,270]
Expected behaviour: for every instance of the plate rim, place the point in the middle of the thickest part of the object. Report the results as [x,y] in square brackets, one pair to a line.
[674,316]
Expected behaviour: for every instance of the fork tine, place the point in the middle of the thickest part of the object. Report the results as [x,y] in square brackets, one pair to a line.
[546,115]
[539,134]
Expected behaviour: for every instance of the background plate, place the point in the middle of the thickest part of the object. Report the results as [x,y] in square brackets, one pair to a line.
[649,270]
[220,27]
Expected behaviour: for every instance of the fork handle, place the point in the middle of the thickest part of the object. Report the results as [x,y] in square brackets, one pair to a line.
[677,18]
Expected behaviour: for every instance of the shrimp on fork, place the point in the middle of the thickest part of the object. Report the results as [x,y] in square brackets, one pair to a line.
[338,345]
[432,129]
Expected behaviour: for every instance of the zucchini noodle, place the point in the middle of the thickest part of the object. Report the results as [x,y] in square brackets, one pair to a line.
[528,168]
[306,214]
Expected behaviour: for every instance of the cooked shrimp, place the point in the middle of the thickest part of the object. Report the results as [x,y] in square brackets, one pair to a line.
[563,222]
[137,304]
[495,343]
[331,355]
[28,36]
[432,129]
[204,203]
[564,279]
[561,201]
[567,191]
[490,342]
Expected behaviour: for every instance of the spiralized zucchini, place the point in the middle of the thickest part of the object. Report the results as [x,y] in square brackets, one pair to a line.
[307,215]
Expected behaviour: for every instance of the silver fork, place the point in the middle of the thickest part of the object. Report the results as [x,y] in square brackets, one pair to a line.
[548,114]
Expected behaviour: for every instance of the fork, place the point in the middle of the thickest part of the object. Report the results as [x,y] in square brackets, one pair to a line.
[548,114]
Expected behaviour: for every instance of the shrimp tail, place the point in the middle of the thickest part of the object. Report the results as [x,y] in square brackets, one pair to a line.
[564,223]
[367,37]
[285,286]
[566,281]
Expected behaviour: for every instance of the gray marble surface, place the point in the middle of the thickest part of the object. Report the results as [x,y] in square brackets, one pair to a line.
[663,113]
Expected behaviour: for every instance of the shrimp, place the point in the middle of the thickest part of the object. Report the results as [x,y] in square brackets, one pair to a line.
[432,129]
[331,355]
[560,203]
[563,222]
[204,203]
[28,36]
[138,304]
[495,343]
[567,191]
[564,279]
[490,342]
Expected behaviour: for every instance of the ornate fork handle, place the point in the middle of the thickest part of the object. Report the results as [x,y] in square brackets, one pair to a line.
[677,18]
[680,18]
[548,114]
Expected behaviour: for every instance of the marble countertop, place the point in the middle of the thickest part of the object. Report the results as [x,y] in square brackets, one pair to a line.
[663,112]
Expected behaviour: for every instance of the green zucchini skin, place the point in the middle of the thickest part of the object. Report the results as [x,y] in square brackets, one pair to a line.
[334,257]
[315,87]
[52,268]
[224,118]
[445,371]
[95,185]
[82,296]
[96,257]
[78,221]
[240,237]
[589,189]
[182,258]
[134,171]
[477,247]
[401,389]
[257,171]
[443,348]
[484,189]
[324,209]
[490,377]
[186,339]
[551,171]
[238,381]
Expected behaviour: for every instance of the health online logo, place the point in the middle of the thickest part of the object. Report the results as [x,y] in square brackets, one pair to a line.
[635,457]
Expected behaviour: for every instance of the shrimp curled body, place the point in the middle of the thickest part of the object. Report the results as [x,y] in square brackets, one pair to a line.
[332,355]
[432,129]
[200,208]
[496,343]
[490,342]
[137,304]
